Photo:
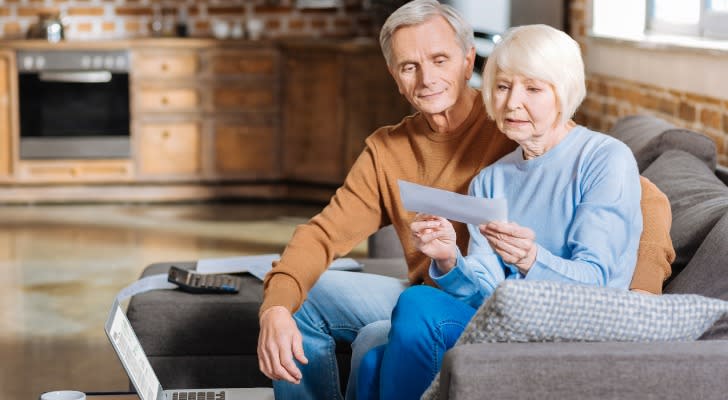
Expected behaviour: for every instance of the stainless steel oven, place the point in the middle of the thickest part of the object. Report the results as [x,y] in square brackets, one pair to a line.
[74,104]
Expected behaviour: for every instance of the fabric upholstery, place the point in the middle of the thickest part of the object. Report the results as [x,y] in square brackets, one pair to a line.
[648,137]
[586,371]
[543,311]
[697,197]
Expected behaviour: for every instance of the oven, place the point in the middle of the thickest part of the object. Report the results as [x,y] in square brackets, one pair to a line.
[74,104]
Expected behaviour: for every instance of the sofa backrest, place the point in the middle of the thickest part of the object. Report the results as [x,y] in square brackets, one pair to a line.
[698,199]
[648,137]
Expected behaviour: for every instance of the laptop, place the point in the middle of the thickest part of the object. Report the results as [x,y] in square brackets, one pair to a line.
[142,376]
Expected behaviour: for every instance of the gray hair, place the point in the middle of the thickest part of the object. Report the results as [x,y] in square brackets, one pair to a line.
[419,11]
[540,52]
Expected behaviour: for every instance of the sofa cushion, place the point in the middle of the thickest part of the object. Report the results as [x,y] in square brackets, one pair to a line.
[648,137]
[544,311]
[697,197]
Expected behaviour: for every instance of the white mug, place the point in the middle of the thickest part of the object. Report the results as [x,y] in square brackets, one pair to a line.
[63,395]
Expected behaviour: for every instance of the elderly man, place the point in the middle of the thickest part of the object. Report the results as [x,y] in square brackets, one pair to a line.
[430,53]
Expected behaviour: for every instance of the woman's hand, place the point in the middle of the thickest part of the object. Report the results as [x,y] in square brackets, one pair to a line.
[435,237]
[515,244]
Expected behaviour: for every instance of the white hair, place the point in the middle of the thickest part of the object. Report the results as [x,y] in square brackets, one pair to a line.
[539,52]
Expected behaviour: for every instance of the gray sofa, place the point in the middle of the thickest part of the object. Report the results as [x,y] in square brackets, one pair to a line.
[210,340]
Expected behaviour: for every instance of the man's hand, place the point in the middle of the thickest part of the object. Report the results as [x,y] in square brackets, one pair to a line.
[514,243]
[278,342]
[435,237]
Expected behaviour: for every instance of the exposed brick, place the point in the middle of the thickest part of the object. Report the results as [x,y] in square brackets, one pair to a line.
[272,24]
[667,106]
[687,111]
[84,27]
[216,10]
[710,118]
[4,11]
[132,26]
[341,22]
[702,99]
[296,24]
[202,26]
[35,11]
[725,121]
[82,11]
[108,26]
[267,9]
[12,29]
[133,11]
[318,23]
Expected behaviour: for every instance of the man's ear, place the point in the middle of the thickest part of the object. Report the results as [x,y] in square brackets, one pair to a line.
[470,59]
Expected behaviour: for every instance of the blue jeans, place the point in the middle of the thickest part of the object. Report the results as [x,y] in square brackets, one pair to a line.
[425,323]
[351,307]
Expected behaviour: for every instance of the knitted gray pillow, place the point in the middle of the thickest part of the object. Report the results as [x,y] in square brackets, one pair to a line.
[543,311]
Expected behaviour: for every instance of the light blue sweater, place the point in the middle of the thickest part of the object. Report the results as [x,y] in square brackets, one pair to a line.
[582,200]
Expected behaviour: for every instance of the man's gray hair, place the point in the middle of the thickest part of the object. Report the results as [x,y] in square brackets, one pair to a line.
[419,11]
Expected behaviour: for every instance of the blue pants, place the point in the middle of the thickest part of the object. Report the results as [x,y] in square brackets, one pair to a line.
[351,307]
[426,322]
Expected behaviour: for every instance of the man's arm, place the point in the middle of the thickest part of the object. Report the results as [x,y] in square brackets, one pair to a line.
[655,254]
[352,214]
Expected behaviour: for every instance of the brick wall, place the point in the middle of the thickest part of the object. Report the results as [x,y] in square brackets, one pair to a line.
[608,98]
[105,19]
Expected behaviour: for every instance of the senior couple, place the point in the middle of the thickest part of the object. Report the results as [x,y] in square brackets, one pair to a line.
[576,206]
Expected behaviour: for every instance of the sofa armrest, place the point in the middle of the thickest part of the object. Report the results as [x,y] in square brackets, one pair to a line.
[666,370]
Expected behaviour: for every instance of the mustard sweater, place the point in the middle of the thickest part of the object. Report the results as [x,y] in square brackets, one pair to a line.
[369,199]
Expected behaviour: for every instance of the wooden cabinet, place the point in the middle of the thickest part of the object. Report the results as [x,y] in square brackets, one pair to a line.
[166,114]
[243,112]
[6,113]
[335,96]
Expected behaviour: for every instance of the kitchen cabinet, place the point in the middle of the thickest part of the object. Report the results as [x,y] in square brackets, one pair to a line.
[166,103]
[335,95]
[6,113]
[242,112]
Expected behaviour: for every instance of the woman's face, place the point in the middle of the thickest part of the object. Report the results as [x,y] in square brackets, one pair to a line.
[525,109]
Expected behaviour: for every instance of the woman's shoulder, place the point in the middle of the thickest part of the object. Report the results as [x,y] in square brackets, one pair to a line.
[601,143]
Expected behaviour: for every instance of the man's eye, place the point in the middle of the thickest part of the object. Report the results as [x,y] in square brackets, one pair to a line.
[440,61]
[408,68]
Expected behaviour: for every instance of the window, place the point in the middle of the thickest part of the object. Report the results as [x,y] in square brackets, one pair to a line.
[707,18]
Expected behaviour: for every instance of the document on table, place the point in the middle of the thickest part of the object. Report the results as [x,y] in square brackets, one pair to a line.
[451,205]
[259,265]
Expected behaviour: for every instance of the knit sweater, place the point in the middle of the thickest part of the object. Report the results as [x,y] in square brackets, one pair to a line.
[369,199]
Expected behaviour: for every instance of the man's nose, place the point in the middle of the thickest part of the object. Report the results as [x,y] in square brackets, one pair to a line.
[427,74]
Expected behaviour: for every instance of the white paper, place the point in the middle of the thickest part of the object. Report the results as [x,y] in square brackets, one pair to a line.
[451,205]
[152,282]
[257,265]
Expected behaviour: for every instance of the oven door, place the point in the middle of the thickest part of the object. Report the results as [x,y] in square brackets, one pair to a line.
[74,114]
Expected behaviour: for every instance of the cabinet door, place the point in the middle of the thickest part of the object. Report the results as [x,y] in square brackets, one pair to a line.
[5,115]
[169,149]
[312,137]
[245,150]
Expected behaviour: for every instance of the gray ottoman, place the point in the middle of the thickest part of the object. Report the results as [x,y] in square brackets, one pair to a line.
[210,340]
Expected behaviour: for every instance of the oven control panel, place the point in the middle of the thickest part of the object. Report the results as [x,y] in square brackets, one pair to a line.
[73,60]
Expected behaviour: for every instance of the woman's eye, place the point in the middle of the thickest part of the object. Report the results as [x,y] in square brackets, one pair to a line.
[534,89]
[502,87]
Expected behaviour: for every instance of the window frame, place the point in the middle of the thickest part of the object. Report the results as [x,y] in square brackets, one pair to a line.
[711,24]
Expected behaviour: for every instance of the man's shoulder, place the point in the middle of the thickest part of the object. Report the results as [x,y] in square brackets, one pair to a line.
[393,132]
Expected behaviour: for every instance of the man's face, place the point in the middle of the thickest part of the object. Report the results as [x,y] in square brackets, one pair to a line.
[429,66]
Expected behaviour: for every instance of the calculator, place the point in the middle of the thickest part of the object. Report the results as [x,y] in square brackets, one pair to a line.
[193,282]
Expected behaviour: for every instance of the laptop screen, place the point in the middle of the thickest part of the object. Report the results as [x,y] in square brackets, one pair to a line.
[132,357]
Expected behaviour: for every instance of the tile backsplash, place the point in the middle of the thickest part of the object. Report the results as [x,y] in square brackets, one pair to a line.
[120,19]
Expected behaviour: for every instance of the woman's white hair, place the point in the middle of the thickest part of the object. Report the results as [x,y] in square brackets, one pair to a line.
[419,11]
[539,52]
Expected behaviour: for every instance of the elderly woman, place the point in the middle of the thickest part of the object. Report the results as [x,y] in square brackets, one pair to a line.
[573,198]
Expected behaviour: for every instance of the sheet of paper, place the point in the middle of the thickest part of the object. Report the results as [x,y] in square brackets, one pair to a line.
[257,265]
[451,205]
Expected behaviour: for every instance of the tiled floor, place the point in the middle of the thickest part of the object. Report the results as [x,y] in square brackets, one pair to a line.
[61,267]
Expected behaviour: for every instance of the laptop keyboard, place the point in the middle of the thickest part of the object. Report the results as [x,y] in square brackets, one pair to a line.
[191,395]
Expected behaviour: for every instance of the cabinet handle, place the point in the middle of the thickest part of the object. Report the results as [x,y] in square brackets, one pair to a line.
[165,67]
[74,172]
[165,100]
[165,134]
